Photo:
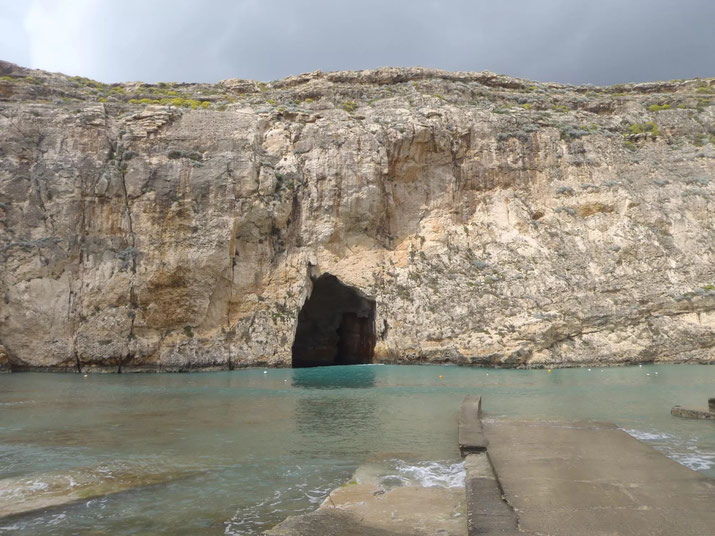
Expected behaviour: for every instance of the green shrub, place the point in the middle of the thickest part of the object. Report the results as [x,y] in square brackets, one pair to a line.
[644,128]
[86,82]
[630,145]
[175,154]
[23,79]
[350,106]
[701,139]
[570,132]
[658,107]
[182,102]
[703,102]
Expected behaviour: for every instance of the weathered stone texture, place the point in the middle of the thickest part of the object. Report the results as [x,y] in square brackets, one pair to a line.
[494,220]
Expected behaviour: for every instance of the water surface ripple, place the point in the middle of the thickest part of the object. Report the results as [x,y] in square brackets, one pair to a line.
[236,452]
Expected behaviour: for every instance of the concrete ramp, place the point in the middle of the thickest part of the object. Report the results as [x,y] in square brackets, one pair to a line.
[586,478]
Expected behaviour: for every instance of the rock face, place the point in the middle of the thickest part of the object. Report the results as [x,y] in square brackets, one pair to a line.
[492,220]
[4,360]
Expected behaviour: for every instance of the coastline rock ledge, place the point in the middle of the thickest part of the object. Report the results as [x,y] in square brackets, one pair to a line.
[468,218]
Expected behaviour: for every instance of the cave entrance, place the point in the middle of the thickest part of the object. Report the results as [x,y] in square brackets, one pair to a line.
[336,326]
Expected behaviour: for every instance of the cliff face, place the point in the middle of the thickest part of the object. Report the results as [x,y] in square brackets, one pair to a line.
[492,220]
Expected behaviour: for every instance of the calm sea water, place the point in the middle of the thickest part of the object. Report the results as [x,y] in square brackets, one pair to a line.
[236,452]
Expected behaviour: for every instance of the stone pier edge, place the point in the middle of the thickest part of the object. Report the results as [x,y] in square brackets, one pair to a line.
[488,511]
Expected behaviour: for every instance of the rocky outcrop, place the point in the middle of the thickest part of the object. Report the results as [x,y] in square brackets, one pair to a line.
[4,360]
[494,221]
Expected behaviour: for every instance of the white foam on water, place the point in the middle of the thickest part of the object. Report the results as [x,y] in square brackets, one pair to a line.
[674,449]
[57,519]
[696,462]
[15,403]
[647,436]
[434,474]
[252,519]
[317,496]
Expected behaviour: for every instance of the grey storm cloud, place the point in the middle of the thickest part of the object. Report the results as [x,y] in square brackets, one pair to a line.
[572,41]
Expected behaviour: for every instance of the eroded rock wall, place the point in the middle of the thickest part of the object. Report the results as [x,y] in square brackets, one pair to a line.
[494,220]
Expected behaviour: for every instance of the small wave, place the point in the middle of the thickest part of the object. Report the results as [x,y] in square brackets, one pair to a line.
[696,462]
[434,474]
[57,519]
[647,436]
[676,449]
[253,519]
[23,487]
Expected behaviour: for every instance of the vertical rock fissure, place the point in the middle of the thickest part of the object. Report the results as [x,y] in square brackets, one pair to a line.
[132,244]
[75,298]
[336,326]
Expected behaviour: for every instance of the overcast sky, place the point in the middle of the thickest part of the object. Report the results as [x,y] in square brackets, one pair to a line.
[575,41]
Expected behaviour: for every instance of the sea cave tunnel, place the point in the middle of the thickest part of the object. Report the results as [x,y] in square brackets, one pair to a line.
[336,326]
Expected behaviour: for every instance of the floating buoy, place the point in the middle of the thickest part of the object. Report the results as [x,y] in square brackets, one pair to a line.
[441,377]
[265,372]
[640,366]
[647,374]
[589,370]
[656,373]
[86,376]
[549,371]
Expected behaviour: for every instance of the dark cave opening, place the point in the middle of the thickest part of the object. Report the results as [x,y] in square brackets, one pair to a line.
[336,326]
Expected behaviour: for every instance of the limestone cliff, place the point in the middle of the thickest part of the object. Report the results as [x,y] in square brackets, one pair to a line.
[493,220]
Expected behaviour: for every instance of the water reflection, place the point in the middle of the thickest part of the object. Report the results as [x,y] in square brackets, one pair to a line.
[333,415]
[336,377]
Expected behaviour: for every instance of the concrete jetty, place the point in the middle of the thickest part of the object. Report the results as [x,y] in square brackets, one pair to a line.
[689,413]
[589,478]
[470,433]
[528,478]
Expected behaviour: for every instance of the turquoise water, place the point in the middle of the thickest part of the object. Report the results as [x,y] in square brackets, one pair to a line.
[236,452]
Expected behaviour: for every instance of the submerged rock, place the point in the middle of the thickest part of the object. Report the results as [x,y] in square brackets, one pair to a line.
[371,504]
[490,220]
[21,495]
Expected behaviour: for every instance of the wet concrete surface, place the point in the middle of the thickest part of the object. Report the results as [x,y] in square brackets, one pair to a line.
[588,478]
[487,512]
